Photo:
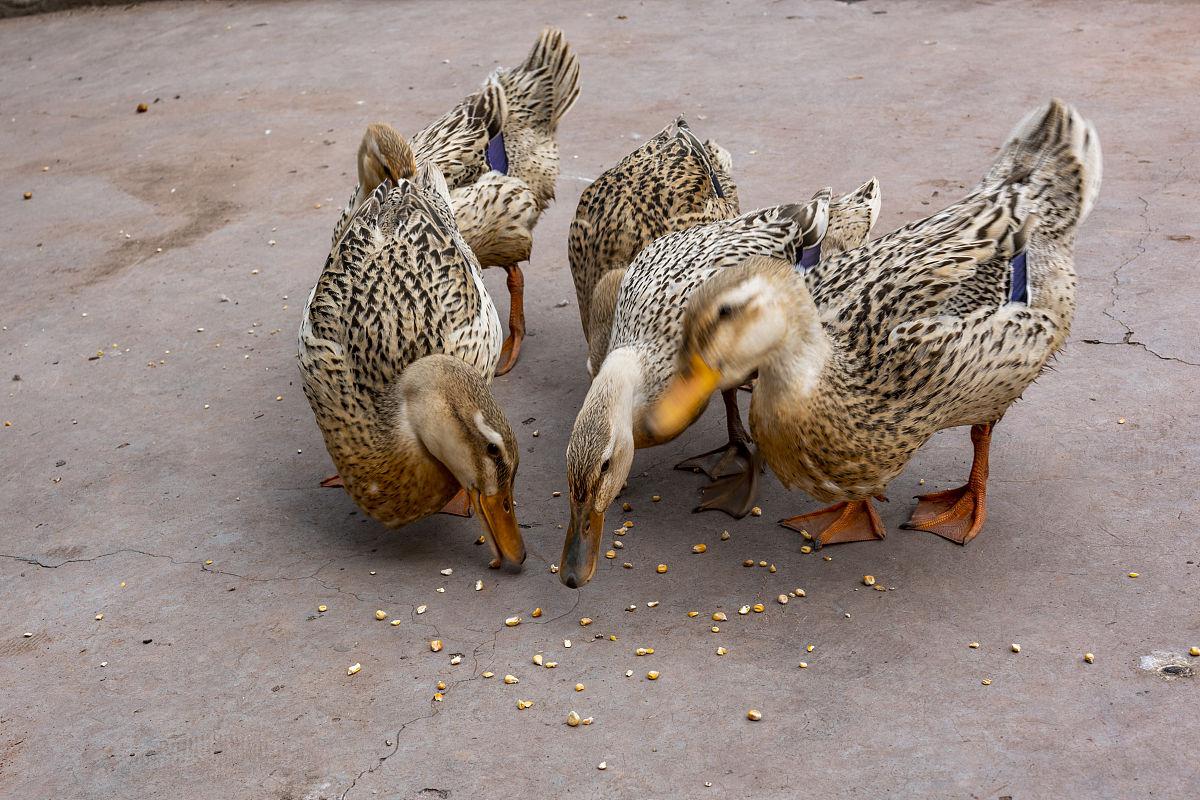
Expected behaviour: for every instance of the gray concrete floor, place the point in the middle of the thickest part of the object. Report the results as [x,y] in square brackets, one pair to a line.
[165,485]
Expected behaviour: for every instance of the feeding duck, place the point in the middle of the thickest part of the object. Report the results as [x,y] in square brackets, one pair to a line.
[943,323]
[397,346]
[499,156]
[643,344]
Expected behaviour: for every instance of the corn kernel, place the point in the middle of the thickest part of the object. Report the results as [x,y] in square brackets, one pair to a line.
[394,623]
[488,674]
[652,675]
[803,665]
[1133,574]
[693,613]
[585,621]
[1194,652]
[381,615]
[699,548]
[441,686]
[973,645]
[626,507]
[754,715]
[805,549]
[782,599]
[610,553]
[1089,658]
[654,498]
[756,512]
[721,651]
[100,616]
[537,659]
[573,719]
[354,668]
[660,569]
[524,704]
[986,681]
[771,569]
[800,593]
[537,612]
[436,645]
[724,536]
[759,608]
[715,629]
[512,622]
[511,680]
[1016,648]
[810,648]
[748,563]
[579,687]
[719,616]
[868,580]
[744,610]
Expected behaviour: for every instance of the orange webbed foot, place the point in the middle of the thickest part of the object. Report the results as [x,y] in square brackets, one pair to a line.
[848,521]
[955,514]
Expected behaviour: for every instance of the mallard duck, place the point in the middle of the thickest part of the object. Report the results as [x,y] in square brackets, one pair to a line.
[640,357]
[498,154]
[397,346]
[940,324]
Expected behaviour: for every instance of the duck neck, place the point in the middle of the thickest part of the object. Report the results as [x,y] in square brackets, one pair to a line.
[614,390]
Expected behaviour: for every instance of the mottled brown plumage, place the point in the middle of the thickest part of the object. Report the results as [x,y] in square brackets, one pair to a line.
[397,346]
[919,330]
[497,198]
[645,336]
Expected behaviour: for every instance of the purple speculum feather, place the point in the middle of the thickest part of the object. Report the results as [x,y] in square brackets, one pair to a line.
[497,158]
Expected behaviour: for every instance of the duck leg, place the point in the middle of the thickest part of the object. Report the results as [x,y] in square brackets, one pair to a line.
[333,482]
[848,521]
[511,349]
[459,505]
[734,468]
[958,514]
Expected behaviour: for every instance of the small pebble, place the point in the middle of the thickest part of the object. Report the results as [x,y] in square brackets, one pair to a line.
[748,562]
[573,719]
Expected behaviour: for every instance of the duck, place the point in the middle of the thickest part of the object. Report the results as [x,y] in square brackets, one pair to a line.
[498,152]
[397,347]
[644,341]
[943,323]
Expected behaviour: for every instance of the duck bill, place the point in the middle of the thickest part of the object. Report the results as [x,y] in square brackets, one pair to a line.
[683,399]
[500,523]
[582,546]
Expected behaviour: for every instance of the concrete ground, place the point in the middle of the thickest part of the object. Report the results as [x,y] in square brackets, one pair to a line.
[152,287]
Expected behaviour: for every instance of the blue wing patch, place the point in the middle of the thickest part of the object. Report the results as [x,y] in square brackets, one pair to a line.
[497,158]
[809,258]
[1018,288]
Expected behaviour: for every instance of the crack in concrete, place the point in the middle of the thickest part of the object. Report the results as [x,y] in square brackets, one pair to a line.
[1131,342]
[203,568]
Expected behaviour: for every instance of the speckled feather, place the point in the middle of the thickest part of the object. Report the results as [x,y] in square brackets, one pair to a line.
[923,334]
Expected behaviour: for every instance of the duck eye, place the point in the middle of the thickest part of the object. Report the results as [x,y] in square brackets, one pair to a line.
[493,449]
[724,312]
[604,467]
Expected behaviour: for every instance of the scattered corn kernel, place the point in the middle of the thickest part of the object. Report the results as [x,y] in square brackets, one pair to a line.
[699,548]
[573,719]
[810,648]
[618,545]
[762,563]
[441,686]
[1194,652]
[612,637]
[585,621]
[754,715]
[652,675]
[626,507]
[422,609]
[715,629]
[800,593]
[489,674]
[771,569]
[524,704]
[587,720]
[660,569]
[553,568]
[627,565]
[567,643]
[868,580]
[803,665]
[512,622]
[394,623]
[1089,658]
[644,651]
[628,673]
[322,608]
[756,512]
[436,645]
[655,498]
[354,668]
[1133,574]
[652,604]
[448,571]
[974,645]
[627,523]
[759,608]
[551,664]
[479,586]
[693,613]
[579,687]
[744,610]
[511,680]
[602,765]
[537,659]
[381,615]
[724,536]
[986,681]
[438,697]
[721,651]
[537,612]
[719,616]
[782,599]
[100,616]
[805,549]
[1016,648]
[748,562]
[610,553]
